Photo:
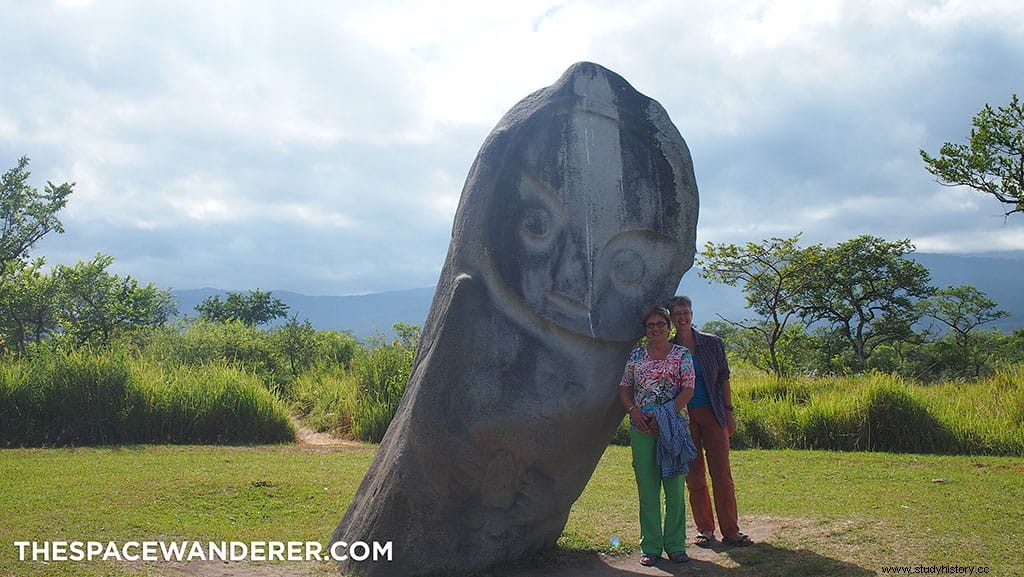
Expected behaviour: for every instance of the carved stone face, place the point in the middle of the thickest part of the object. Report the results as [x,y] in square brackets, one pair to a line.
[579,211]
[579,230]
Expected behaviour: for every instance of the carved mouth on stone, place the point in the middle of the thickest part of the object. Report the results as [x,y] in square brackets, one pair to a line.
[567,304]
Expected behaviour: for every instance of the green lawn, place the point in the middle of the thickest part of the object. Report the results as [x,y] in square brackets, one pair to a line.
[850,513]
[829,510]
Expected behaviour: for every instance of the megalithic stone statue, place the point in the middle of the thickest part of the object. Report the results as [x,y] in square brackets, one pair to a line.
[579,211]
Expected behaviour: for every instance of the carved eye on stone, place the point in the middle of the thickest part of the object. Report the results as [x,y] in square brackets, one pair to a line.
[536,224]
[628,266]
[539,217]
[631,262]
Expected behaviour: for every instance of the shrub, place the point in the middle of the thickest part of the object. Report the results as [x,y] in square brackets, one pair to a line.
[205,342]
[337,347]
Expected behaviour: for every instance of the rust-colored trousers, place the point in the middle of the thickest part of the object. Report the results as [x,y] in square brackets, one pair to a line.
[712,443]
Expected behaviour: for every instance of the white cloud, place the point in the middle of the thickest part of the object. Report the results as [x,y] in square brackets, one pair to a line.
[999,237]
[322,146]
[201,202]
[776,24]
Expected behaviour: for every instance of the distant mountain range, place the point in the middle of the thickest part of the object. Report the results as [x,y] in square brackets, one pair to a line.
[363,315]
[1001,278]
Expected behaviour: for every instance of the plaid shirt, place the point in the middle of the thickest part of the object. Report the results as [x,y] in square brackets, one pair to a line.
[714,367]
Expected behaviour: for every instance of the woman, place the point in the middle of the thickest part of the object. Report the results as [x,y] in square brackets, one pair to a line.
[656,375]
[711,424]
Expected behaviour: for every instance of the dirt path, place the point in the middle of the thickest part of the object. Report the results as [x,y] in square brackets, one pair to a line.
[718,561]
[310,438]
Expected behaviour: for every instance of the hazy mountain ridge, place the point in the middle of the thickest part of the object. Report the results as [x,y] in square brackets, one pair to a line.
[363,315]
[1001,278]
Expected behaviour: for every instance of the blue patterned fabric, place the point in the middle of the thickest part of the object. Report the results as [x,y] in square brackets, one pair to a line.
[675,445]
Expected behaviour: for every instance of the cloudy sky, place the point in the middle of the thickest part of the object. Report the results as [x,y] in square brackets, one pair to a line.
[321,147]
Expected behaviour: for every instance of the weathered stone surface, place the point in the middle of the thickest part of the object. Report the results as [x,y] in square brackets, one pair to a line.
[579,211]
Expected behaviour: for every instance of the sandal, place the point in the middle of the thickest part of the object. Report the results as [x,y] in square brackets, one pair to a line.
[648,560]
[679,557]
[704,539]
[737,540]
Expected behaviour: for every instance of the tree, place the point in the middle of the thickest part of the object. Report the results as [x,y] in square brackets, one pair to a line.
[28,302]
[1011,350]
[774,275]
[337,347]
[963,309]
[25,214]
[865,290]
[256,308]
[734,336]
[992,161]
[408,335]
[94,305]
[746,344]
[298,343]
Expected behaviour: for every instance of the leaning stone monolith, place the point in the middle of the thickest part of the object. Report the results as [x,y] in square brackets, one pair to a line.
[579,211]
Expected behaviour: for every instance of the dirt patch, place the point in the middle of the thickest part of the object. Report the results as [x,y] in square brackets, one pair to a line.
[772,553]
[307,437]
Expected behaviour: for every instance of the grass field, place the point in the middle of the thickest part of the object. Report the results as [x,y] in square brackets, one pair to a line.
[830,513]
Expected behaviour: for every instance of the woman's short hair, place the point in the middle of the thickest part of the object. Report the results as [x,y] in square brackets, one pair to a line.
[681,300]
[657,310]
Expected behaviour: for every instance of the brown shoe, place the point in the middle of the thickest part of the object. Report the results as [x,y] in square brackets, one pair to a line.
[704,539]
[737,540]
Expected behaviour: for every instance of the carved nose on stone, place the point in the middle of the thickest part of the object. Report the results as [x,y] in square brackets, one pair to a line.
[570,288]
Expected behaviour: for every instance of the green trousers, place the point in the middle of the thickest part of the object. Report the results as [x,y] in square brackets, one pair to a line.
[655,537]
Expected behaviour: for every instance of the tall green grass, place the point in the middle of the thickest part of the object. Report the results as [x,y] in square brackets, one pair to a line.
[86,398]
[876,412]
[203,343]
[57,399]
[323,398]
[359,402]
[881,412]
[381,377]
